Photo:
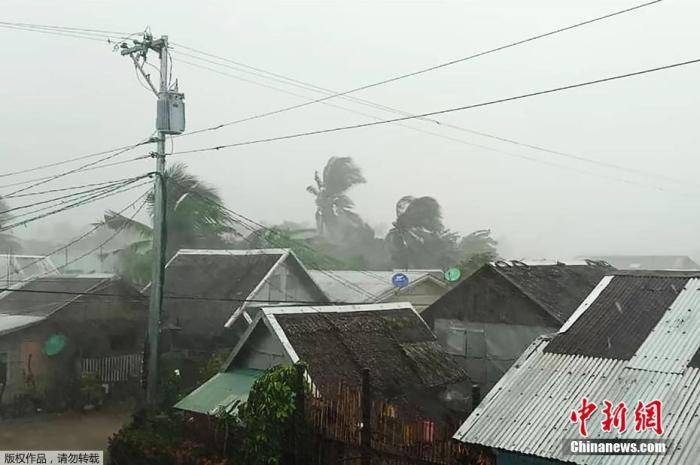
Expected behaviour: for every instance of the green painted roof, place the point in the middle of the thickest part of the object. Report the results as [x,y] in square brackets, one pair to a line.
[221,391]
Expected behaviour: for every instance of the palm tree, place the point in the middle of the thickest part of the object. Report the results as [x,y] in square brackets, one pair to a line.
[195,217]
[333,206]
[418,238]
[477,249]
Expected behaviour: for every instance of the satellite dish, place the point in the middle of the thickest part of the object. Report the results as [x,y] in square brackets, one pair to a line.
[453,274]
[399,280]
[54,344]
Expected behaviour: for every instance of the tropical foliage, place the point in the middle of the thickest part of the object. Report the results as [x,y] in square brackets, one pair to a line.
[195,218]
[418,237]
[477,249]
[334,208]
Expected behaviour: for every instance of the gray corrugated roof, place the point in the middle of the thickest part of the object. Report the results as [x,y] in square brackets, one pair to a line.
[649,262]
[527,411]
[42,296]
[361,286]
[558,289]
[33,301]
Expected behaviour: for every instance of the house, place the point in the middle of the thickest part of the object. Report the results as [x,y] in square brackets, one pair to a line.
[489,318]
[423,288]
[53,328]
[405,362]
[15,268]
[649,262]
[210,295]
[635,338]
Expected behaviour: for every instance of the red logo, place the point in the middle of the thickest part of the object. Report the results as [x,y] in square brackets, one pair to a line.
[582,415]
[647,416]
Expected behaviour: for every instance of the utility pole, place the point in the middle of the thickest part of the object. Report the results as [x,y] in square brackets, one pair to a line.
[170,119]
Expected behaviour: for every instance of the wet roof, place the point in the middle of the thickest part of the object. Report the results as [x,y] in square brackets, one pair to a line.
[362,286]
[337,342]
[617,323]
[657,319]
[31,302]
[558,289]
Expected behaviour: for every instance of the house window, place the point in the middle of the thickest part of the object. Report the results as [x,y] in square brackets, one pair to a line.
[456,340]
[4,368]
[476,343]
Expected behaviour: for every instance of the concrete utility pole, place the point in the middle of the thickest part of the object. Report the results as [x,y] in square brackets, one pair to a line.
[170,119]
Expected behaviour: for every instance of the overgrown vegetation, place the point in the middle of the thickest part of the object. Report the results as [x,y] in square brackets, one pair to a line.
[250,433]
[341,239]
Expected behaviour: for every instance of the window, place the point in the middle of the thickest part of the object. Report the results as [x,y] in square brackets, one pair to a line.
[456,340]
[4,368]
[476,343]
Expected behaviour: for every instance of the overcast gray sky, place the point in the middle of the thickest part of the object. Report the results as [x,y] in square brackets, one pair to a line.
[63,97]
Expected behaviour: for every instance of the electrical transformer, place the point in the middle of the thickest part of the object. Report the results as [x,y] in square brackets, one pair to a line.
[171,113]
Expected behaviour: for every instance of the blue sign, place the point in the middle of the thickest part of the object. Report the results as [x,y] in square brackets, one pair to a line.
[399,280]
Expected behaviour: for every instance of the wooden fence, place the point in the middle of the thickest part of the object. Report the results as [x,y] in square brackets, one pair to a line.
[346,426]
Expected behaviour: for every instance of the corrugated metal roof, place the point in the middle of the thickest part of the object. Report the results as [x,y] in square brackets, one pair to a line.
[361,286]
[618,322]
[675,338]
[9,323]
[221,392]
[528,410]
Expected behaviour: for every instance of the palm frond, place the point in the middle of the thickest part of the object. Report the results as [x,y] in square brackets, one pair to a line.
[116,221]
[340,174]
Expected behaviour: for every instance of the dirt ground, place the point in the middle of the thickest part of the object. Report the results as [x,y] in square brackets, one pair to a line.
[66,431]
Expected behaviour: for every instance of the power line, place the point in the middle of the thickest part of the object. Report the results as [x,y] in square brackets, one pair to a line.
[70,160]
[82,236]
[445,111]
[49,191]
[432,68]
[72,195]
[472,144]
[183,297]
[238,66]
[106,165]
[112,236]
[65,28]
[328,273]
[70,206]
[80,168]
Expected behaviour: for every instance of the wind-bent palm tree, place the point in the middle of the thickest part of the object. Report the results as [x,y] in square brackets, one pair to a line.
[195,217]
[418,237]
[333,206]
[477,249]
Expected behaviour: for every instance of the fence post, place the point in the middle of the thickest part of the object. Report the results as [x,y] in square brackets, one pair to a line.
[299,416]
[366,431]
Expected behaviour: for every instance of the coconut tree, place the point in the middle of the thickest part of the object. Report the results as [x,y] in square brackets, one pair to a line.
[333,206]
[477,249]
[195,217]
[417,237]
